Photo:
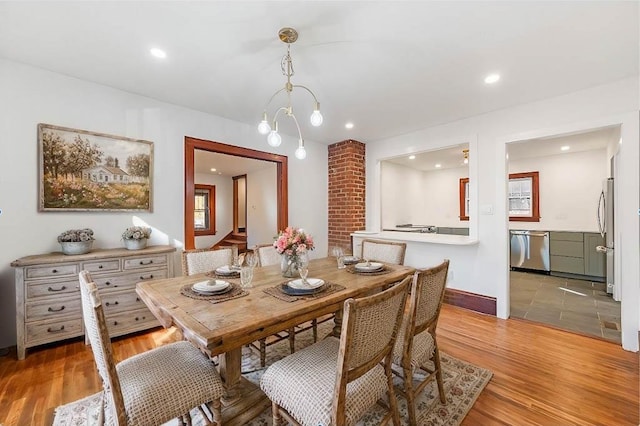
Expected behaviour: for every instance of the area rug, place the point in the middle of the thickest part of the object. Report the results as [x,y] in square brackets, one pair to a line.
[463,383]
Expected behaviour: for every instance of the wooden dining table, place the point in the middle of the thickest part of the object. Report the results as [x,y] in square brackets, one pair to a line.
[223,328]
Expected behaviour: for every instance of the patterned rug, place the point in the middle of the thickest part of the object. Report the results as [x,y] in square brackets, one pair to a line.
[463,384]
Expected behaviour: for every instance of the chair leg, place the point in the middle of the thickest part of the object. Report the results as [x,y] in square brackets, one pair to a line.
[292,339]
[393,402]
[436,362]
[409,393]
[216,411]
[275,412]
[263,352]
[314,325]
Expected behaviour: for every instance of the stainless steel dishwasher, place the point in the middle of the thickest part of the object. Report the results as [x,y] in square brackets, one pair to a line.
[530,250]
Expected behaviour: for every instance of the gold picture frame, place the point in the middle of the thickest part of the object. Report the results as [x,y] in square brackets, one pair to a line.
[84,171]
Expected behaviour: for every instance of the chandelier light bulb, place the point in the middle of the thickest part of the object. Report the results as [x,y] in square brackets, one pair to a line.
[466,160]
[316,117]
[263,127]
[301,153]
[274,139]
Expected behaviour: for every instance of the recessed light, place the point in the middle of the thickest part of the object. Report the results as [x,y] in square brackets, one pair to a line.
[349,125]
[412,157]
[214,170]
[219,173]
[158,53]
[492,78]
[438,165]
[565,148]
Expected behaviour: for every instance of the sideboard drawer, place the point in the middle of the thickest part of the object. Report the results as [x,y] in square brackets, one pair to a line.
[145,262]
[114,302]
[50,309]
[51,271]
[128,280]
[52,288]
[102,266]
[51,331]
[126,322]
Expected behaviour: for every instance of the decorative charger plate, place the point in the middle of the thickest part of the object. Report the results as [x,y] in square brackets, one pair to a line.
[301,291]
[312,283]
[211,286]
[227,270]
[368,266]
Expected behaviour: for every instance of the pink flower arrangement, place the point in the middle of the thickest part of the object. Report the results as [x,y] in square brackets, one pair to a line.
[293,241]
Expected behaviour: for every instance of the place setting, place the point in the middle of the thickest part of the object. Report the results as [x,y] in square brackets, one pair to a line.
[213,290]
[366,267]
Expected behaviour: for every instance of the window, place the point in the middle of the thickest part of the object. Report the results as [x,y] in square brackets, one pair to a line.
[523,197]
[522,194]
[204,211]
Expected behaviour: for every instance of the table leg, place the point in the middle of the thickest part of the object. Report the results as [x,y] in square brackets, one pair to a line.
[230,366]
[337,320]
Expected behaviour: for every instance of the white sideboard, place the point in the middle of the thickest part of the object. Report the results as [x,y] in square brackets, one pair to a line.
[48,306]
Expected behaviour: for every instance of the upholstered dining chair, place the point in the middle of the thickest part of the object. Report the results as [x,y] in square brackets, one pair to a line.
[204,260]
[416,344]
[153,387]
[335,381]
[384,251]
[267,255]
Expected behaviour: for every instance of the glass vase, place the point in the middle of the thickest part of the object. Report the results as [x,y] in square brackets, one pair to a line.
[289,266]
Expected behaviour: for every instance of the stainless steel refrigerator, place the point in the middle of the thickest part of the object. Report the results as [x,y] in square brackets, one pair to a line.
[606,225]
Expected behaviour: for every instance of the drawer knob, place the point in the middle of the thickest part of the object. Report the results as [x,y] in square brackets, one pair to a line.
[107,283]
[57,289]
[115,323]
[55,271]
[55,330]
[150,276]
[61,308]
[100,267]
[142,262]
[109,304]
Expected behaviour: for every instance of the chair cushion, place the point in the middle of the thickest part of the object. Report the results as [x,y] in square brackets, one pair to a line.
[303,384]
[163,383]
[423,348]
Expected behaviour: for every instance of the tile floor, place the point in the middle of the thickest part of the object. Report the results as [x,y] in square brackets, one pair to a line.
[567,303]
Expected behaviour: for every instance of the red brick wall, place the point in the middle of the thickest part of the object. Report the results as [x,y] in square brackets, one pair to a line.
[346,192]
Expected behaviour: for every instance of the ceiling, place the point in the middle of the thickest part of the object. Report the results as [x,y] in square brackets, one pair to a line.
[452,157]
[390,67]
[226,165]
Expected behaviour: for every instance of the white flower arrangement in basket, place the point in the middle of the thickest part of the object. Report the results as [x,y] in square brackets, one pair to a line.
[135,237]
[76,241]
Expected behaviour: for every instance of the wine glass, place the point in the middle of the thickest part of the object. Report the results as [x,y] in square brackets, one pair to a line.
[251,259]
[303,266]
[246,275]
[339,254]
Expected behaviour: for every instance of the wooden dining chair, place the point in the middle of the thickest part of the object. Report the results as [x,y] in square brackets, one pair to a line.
[335,381]
[153,387]
[384,251]
[267,255]
[198,261]
[416,347]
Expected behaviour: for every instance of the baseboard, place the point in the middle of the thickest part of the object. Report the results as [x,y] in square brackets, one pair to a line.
[471,301]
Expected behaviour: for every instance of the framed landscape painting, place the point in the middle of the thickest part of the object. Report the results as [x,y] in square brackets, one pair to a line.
[86,171]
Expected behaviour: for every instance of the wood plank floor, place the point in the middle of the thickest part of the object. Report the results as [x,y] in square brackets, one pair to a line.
[542,376]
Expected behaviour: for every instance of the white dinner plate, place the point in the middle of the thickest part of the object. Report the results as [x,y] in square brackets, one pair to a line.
[368,267]
[210,286]
[310,284]
[227,270]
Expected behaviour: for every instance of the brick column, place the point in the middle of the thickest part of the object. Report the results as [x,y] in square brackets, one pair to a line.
[346,192]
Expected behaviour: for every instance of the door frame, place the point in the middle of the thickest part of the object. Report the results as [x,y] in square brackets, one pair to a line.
[191,144]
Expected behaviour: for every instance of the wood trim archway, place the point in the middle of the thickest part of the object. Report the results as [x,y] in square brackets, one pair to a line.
[191,144]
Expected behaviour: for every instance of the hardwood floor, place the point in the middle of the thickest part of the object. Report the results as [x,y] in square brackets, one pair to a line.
[542,376]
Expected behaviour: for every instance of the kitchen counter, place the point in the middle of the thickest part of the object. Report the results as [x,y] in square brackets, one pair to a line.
[460,240]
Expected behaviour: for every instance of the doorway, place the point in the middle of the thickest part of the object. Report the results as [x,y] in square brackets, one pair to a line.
[567,289]
[193,144]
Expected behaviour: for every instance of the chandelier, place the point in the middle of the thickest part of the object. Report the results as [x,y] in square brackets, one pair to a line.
[289,36]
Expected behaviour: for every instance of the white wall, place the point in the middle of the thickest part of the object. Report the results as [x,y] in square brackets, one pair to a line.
[224,207]
[31,96]
[483,268]
[570,185]
[262,217]
[420,197]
